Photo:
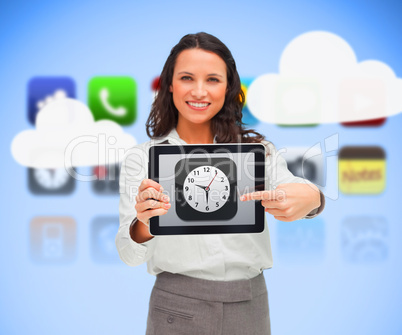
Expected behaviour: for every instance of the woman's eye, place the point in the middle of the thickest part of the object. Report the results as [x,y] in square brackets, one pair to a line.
[185,78]
[214,79]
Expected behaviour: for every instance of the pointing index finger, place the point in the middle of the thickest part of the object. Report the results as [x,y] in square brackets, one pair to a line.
[261,195]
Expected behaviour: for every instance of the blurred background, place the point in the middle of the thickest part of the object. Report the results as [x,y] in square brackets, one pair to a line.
[60,273]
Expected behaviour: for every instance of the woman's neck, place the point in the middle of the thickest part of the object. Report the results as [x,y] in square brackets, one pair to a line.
[195,134]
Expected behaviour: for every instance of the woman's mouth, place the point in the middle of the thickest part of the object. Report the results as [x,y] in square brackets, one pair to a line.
[198,105]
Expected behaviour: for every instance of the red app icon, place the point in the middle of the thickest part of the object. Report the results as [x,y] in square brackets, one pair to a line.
[362,98]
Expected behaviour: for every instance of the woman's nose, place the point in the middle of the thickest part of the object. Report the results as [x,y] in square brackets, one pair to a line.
[199,91]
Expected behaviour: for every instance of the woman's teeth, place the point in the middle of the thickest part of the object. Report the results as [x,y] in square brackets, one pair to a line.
[198,105]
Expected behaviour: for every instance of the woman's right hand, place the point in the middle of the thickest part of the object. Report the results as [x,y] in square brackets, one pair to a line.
[150,201]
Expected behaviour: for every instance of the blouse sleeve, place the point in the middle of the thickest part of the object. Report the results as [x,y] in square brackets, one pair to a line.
[277,173]
[134,169]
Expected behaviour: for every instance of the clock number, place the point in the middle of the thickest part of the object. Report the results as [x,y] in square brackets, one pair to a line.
[226,188]
[224,197]
[196,204]
[196,173]
[217,204]
[207,208]
[190,180]
[222,179]
[190,197]
[186,188]
[206,169]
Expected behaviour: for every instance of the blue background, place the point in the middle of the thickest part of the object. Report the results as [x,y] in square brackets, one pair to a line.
[321,293]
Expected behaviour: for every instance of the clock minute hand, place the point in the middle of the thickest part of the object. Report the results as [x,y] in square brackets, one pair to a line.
[207,188]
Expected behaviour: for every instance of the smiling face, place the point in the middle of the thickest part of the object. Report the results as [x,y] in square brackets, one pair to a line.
[198,86]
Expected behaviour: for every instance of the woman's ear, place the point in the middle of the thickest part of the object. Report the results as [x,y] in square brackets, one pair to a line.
[170,89]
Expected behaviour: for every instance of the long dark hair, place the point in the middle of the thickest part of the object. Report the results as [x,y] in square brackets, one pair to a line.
[226,125]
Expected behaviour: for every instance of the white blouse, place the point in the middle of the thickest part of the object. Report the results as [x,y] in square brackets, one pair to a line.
[223,257]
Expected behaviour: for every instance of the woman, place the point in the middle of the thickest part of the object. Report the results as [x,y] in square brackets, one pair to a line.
[206,284]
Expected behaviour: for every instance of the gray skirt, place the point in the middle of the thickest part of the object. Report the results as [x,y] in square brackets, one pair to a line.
[182,305]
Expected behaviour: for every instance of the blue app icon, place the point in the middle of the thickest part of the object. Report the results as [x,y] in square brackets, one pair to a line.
[42,90]
[301,241]
[103,234]
[365,239]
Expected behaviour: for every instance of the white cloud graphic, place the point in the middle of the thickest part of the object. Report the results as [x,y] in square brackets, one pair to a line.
[321,81]
[66,135]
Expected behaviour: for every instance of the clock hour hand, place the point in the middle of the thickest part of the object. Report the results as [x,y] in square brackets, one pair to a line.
[205,188]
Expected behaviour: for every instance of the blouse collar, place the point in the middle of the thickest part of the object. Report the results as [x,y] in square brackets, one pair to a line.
[174,138]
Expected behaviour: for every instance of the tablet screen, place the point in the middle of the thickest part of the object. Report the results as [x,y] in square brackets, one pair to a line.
[204,184]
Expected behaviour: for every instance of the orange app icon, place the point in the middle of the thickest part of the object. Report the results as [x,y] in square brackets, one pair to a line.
[362,170]
[53,239]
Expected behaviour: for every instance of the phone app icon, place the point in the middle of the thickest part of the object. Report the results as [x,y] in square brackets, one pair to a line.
[303,241]
[107,180]
[103,234]
[364,239]
[43,90]
[50,181]
[362,170]
[113,98]
[52,239]
[247,118]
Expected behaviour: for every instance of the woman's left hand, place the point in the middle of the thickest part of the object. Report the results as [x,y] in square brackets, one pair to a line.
[288,202]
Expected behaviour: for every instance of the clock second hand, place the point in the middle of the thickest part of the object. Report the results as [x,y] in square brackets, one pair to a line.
[216,173]
[207,188]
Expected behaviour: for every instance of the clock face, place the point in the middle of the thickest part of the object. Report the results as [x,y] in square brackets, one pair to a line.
[50,181]
[51,178]
[206,188]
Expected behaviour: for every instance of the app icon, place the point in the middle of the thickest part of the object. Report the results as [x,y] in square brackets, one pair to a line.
[103,234]
[155,85]
[50,181]
[301,241]
[308,167]
[42,90]
[362,170]
[297,100]
[107,180]
[113,98]
[53,239]
[369,123]
[247,118]
[364,239]
[365,97]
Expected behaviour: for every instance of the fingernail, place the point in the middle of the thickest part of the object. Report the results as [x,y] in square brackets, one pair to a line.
[165,198]
[242,198]
[167,205]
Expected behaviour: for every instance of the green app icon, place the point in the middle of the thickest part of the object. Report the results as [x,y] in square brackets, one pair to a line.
[296,101]
[113,98]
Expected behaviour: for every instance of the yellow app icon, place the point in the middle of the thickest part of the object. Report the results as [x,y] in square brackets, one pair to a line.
[362,170]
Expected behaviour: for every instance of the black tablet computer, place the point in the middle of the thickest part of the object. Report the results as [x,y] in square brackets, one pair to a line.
[204,183]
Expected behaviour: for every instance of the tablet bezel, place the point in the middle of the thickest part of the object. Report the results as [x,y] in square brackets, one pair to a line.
[259,183]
